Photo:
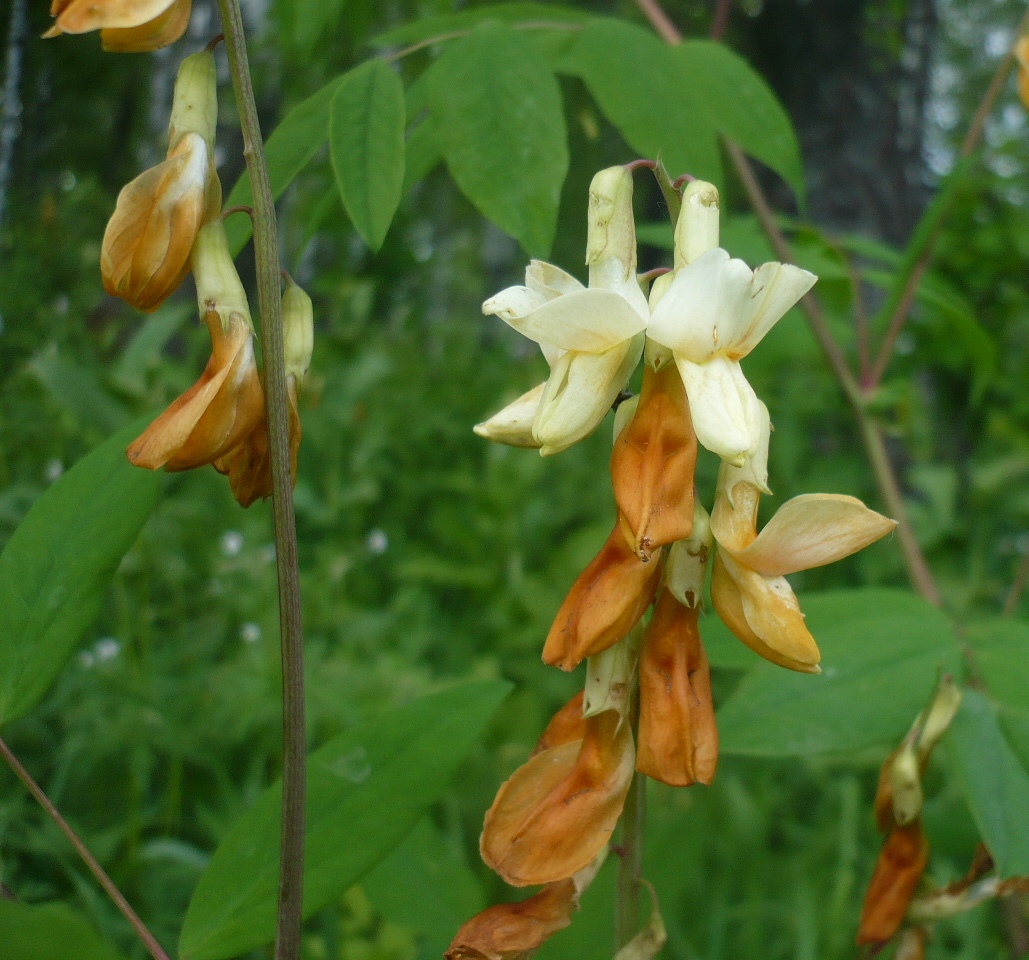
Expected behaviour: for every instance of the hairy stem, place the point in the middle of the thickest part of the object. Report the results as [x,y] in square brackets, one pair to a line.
[291,857]
[149,940]
[630,867]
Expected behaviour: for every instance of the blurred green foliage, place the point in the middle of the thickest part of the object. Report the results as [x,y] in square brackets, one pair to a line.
[429,556]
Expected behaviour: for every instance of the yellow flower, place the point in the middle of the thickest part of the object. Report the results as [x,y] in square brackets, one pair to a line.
[126,26]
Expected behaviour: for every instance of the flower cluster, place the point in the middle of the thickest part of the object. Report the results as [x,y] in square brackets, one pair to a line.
[168,222]
[647,703]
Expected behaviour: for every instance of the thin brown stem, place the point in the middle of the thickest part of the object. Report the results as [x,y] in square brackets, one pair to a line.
[970,143]
[149,940]
[871,435]
[721,20]
[630,866]
[294,737]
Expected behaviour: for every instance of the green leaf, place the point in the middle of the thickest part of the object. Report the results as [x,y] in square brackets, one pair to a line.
[639,83]
[738,103]
[1000,658]
[882,652]
[290,148]
[449,23]
[57,566]
[366,789]
[48,932]
[399,888]
[995,784]
[77,389]
[421,155]
[499,122]
[366,138]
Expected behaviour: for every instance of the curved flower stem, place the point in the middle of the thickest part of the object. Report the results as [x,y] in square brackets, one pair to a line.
[871,434]
[291,857]
[630,866]
[149,940]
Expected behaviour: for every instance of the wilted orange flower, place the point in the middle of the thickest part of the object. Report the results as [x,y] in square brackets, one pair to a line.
[652,464]
[214,415]
[126,26]
[901,863]
[604,604]
[557,811]
[145,253]
[678,739]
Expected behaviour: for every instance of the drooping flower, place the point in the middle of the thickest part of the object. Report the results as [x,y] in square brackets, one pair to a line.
[678,739]
[605,602]
[514,931]
[592,337]
[558,810]
[126,26]
[900,866]
[146,248]
[227,403]
[249,466]
[652,464]
[712,311]
[748,585]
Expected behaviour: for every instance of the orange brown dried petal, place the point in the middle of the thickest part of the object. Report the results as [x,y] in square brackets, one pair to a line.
[652,464]
[513,931]
[604,604]
[558,810]
[678,738]
[900,866]
[566,725]
[216,413]
[160,32]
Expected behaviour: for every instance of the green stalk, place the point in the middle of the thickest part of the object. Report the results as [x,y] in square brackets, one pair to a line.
[630,867]
[294,745]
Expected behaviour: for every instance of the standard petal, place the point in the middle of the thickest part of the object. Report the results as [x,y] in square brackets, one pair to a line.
[776,288]
[153,35]
[513,424]
[80,16]
[812,530]
[549,281]
[579,393]
[701,312]
[588,321]
[726,412]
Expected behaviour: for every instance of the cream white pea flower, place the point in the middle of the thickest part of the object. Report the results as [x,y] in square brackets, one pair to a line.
[712,312]
[592,337]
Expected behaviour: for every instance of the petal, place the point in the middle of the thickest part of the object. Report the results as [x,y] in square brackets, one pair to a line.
[812,530]
[776,288]
[80,16]
[900,866]
[678,739]
[513,302]
[604,604]
[579,393]
[589,321]
[549,281]
[558,810]
[152,35]
[513,424]
[763,614]
[700,313]
[726,412]
[566,725]
[653,461]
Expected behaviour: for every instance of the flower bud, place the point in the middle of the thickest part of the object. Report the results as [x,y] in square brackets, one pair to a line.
[906,785]
[297,331]
[609,678]
[195,103]
[686,562]
[146,247]
[938,717]
[217,282]
[611,234]
[696,231]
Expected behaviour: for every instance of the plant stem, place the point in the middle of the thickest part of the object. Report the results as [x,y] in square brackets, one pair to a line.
[291,857]
[149,940]
[630,867]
